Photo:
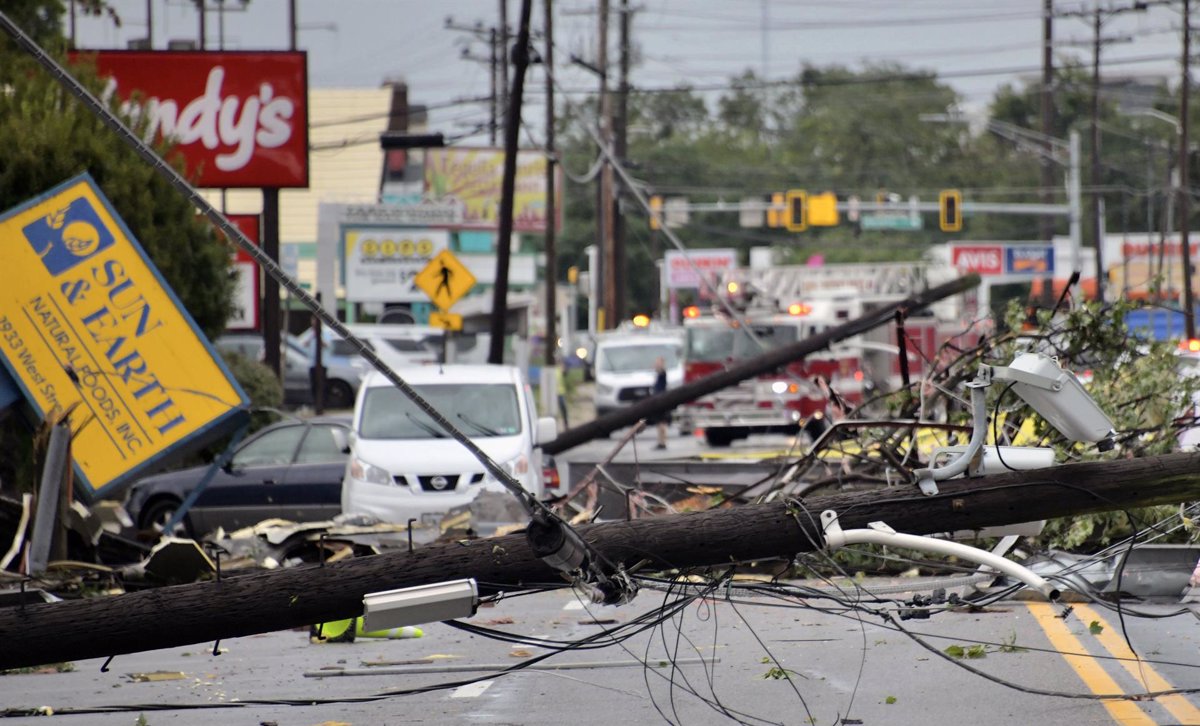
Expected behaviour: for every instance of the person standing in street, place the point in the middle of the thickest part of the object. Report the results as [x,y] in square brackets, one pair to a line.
[660,386]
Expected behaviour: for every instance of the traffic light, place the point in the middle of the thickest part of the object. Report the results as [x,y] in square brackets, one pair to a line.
[822,210]
[950,210]
[656,208]
[775,212]
[795,214]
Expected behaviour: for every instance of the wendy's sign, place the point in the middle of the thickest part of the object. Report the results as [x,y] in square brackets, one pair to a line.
[240,118]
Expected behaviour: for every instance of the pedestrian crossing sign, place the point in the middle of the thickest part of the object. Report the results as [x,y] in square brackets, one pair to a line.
[445,279]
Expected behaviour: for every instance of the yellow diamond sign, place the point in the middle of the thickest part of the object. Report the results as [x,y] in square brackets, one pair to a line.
[445,279]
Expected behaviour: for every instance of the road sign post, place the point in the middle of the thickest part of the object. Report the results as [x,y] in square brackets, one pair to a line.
[445,280]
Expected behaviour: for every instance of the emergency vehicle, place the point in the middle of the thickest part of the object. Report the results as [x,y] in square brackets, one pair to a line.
[780,306]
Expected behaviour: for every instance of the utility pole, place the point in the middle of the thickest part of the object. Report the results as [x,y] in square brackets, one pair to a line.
[1047,108]
[292,26]
[492,87]
[512,128]
[607,242]
[1184,192]
[295,597]
[502,38]
[551,344]
[621,149]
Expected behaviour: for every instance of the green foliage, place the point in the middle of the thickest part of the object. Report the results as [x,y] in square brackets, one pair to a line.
[972,651]
[260,384]
[1095,628]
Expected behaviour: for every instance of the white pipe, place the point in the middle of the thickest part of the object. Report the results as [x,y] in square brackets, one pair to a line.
[836,537]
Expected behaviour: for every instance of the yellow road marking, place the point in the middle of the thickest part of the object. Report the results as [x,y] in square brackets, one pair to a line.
[1178,705]
[1085,666]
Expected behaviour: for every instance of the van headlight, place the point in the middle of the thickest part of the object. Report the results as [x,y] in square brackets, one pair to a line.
[369,473]
[518,468]
[603,390]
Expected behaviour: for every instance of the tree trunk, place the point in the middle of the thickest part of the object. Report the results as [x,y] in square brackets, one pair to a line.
[276,600]
[653,406]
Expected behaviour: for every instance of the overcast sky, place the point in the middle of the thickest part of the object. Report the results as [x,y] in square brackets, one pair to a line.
[977,45]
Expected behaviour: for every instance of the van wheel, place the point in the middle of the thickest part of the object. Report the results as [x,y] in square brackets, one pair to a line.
[339,394]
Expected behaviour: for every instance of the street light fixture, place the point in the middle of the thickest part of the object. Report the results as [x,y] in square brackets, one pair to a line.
[1189,304]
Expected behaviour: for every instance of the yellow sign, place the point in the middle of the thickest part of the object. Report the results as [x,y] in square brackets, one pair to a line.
[86,322]
[445,279]
[446,321]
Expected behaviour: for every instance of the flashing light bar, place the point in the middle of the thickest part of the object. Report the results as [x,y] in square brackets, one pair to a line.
[799,309]
[691,311]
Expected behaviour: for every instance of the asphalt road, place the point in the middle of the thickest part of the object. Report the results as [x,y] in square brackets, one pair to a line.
[829,664]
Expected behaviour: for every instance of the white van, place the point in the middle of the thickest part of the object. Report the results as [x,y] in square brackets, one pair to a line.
[404,466]
[624,365]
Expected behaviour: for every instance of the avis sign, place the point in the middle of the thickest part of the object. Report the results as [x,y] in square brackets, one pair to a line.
[1003,259]
[89,330]
[240,118]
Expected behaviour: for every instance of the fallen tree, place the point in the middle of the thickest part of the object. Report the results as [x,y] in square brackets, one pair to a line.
[281,599]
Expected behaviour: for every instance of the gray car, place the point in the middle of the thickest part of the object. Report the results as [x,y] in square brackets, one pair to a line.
[342,375]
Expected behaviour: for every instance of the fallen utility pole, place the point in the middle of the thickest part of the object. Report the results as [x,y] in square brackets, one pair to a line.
[765,363]
[281,599]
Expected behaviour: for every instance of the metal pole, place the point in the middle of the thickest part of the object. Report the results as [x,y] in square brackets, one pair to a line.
[49,494]
[1097,225]
[1185,196]
[607,310]
[1075,201]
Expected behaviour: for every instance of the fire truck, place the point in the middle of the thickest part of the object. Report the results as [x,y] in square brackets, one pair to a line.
[779,306]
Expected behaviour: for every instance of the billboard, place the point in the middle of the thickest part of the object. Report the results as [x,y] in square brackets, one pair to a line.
[89,329]
[682,267]
[472,178]
[240,118]
[381,262]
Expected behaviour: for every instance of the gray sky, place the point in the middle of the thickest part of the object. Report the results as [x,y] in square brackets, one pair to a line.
[978,45]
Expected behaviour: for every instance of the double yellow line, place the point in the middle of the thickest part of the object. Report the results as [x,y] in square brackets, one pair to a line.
[1097,679]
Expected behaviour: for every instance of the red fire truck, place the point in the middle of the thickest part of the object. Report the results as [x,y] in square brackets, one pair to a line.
[781,306]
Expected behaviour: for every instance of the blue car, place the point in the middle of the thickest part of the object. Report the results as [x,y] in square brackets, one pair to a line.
[291,470]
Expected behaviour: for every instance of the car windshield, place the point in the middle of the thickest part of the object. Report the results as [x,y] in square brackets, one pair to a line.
[710,344]
[630,358]
[479,410]
[769,337]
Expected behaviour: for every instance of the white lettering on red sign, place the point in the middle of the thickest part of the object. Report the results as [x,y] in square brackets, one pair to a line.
[220,122]
[984,260]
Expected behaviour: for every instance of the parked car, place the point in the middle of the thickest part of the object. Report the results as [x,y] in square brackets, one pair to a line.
[342,374]
[292,470]
[396,345]
[403,465]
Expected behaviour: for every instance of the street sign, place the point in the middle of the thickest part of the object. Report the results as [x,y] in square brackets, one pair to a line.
[446,321]
[893,221]
[445,279]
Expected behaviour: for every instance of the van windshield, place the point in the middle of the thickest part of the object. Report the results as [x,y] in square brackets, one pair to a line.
[480,410]
[630,358]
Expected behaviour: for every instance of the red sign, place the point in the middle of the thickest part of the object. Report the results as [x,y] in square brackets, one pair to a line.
[983,259]
[245,314]
[240,118]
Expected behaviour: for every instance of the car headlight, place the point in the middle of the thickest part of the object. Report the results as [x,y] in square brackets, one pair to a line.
[603,390]
[369,473]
